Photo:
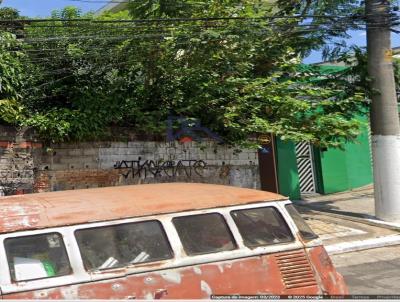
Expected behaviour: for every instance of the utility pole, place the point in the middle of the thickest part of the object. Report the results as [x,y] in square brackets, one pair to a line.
[385,125]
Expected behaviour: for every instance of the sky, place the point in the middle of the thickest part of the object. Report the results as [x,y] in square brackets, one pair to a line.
[358,38]
[43,8]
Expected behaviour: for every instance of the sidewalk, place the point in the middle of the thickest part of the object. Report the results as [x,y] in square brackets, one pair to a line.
[345,221]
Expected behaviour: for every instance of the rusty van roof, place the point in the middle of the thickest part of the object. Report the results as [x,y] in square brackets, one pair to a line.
[42,210]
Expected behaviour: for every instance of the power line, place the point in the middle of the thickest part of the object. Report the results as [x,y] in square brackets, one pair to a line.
[210,25]
[159,35]
[193,19]
[96,27]
[91,51]
[51,53]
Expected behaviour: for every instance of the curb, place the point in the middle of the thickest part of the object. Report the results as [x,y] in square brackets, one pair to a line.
[350,216]
[392,225]
[352,246]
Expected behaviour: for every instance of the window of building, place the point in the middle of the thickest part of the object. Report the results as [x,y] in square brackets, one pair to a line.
[304,229]
[203,234]
[262,226]
[37,257]
[123,245]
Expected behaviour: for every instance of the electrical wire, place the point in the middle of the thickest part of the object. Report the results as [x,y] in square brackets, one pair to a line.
[103,29]
[88,31]
[192,19]
[87,48]
[210,25]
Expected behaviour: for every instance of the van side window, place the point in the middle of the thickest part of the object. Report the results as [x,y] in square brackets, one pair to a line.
[305,231]
[262,226]
[37,257]
[203,234]
[123,245]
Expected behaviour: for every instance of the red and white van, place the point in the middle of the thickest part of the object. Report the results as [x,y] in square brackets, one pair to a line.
[174,241]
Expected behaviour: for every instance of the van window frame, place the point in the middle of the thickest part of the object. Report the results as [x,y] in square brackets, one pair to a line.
[242,250]
[307,243]
[80,275]
[70,271]
[163,232]
[306,238]
[7,285]
[233,240]
[280,216]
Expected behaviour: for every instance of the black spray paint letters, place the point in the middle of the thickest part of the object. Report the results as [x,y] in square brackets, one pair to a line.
[170,168]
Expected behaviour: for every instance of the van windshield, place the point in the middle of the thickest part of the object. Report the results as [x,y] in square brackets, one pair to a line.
[123,245]
[262,226]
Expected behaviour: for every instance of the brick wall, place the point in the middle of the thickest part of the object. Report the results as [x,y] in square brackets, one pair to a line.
[17,161]
[37,168]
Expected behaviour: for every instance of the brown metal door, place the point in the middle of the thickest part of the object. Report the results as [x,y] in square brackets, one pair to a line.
[267,164]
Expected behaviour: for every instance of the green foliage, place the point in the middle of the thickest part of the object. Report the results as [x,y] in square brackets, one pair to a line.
[297,110]
[11,14]
[357,60]
[240,78]
[11,112]
[396,66]
[68,12]
[151,9]
[61,124]
[8,13]
[143,9]
[13,78]
[331,21]
[11,67]
[12,70]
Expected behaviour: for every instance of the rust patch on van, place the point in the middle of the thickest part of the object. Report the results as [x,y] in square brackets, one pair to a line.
[331,281]
[17,215]
[45,210]
[305,272]
[263,275]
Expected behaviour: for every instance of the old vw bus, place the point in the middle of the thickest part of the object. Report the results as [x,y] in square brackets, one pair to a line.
[158,241]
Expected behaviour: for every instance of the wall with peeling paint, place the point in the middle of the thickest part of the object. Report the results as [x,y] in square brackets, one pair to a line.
[28,165]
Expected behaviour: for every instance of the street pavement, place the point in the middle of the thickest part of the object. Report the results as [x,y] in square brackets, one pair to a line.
[372,271]
[365,251]
[355,203]
[340,234]
[345,221]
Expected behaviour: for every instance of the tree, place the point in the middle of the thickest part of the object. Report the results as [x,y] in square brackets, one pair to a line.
[238,75]
[328,23]
[9,13]
[379,18]
[13,75]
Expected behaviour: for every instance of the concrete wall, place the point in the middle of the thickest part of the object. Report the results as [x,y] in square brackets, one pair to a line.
[30,166]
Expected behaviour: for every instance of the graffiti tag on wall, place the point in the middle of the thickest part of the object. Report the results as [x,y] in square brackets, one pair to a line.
[169,168]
